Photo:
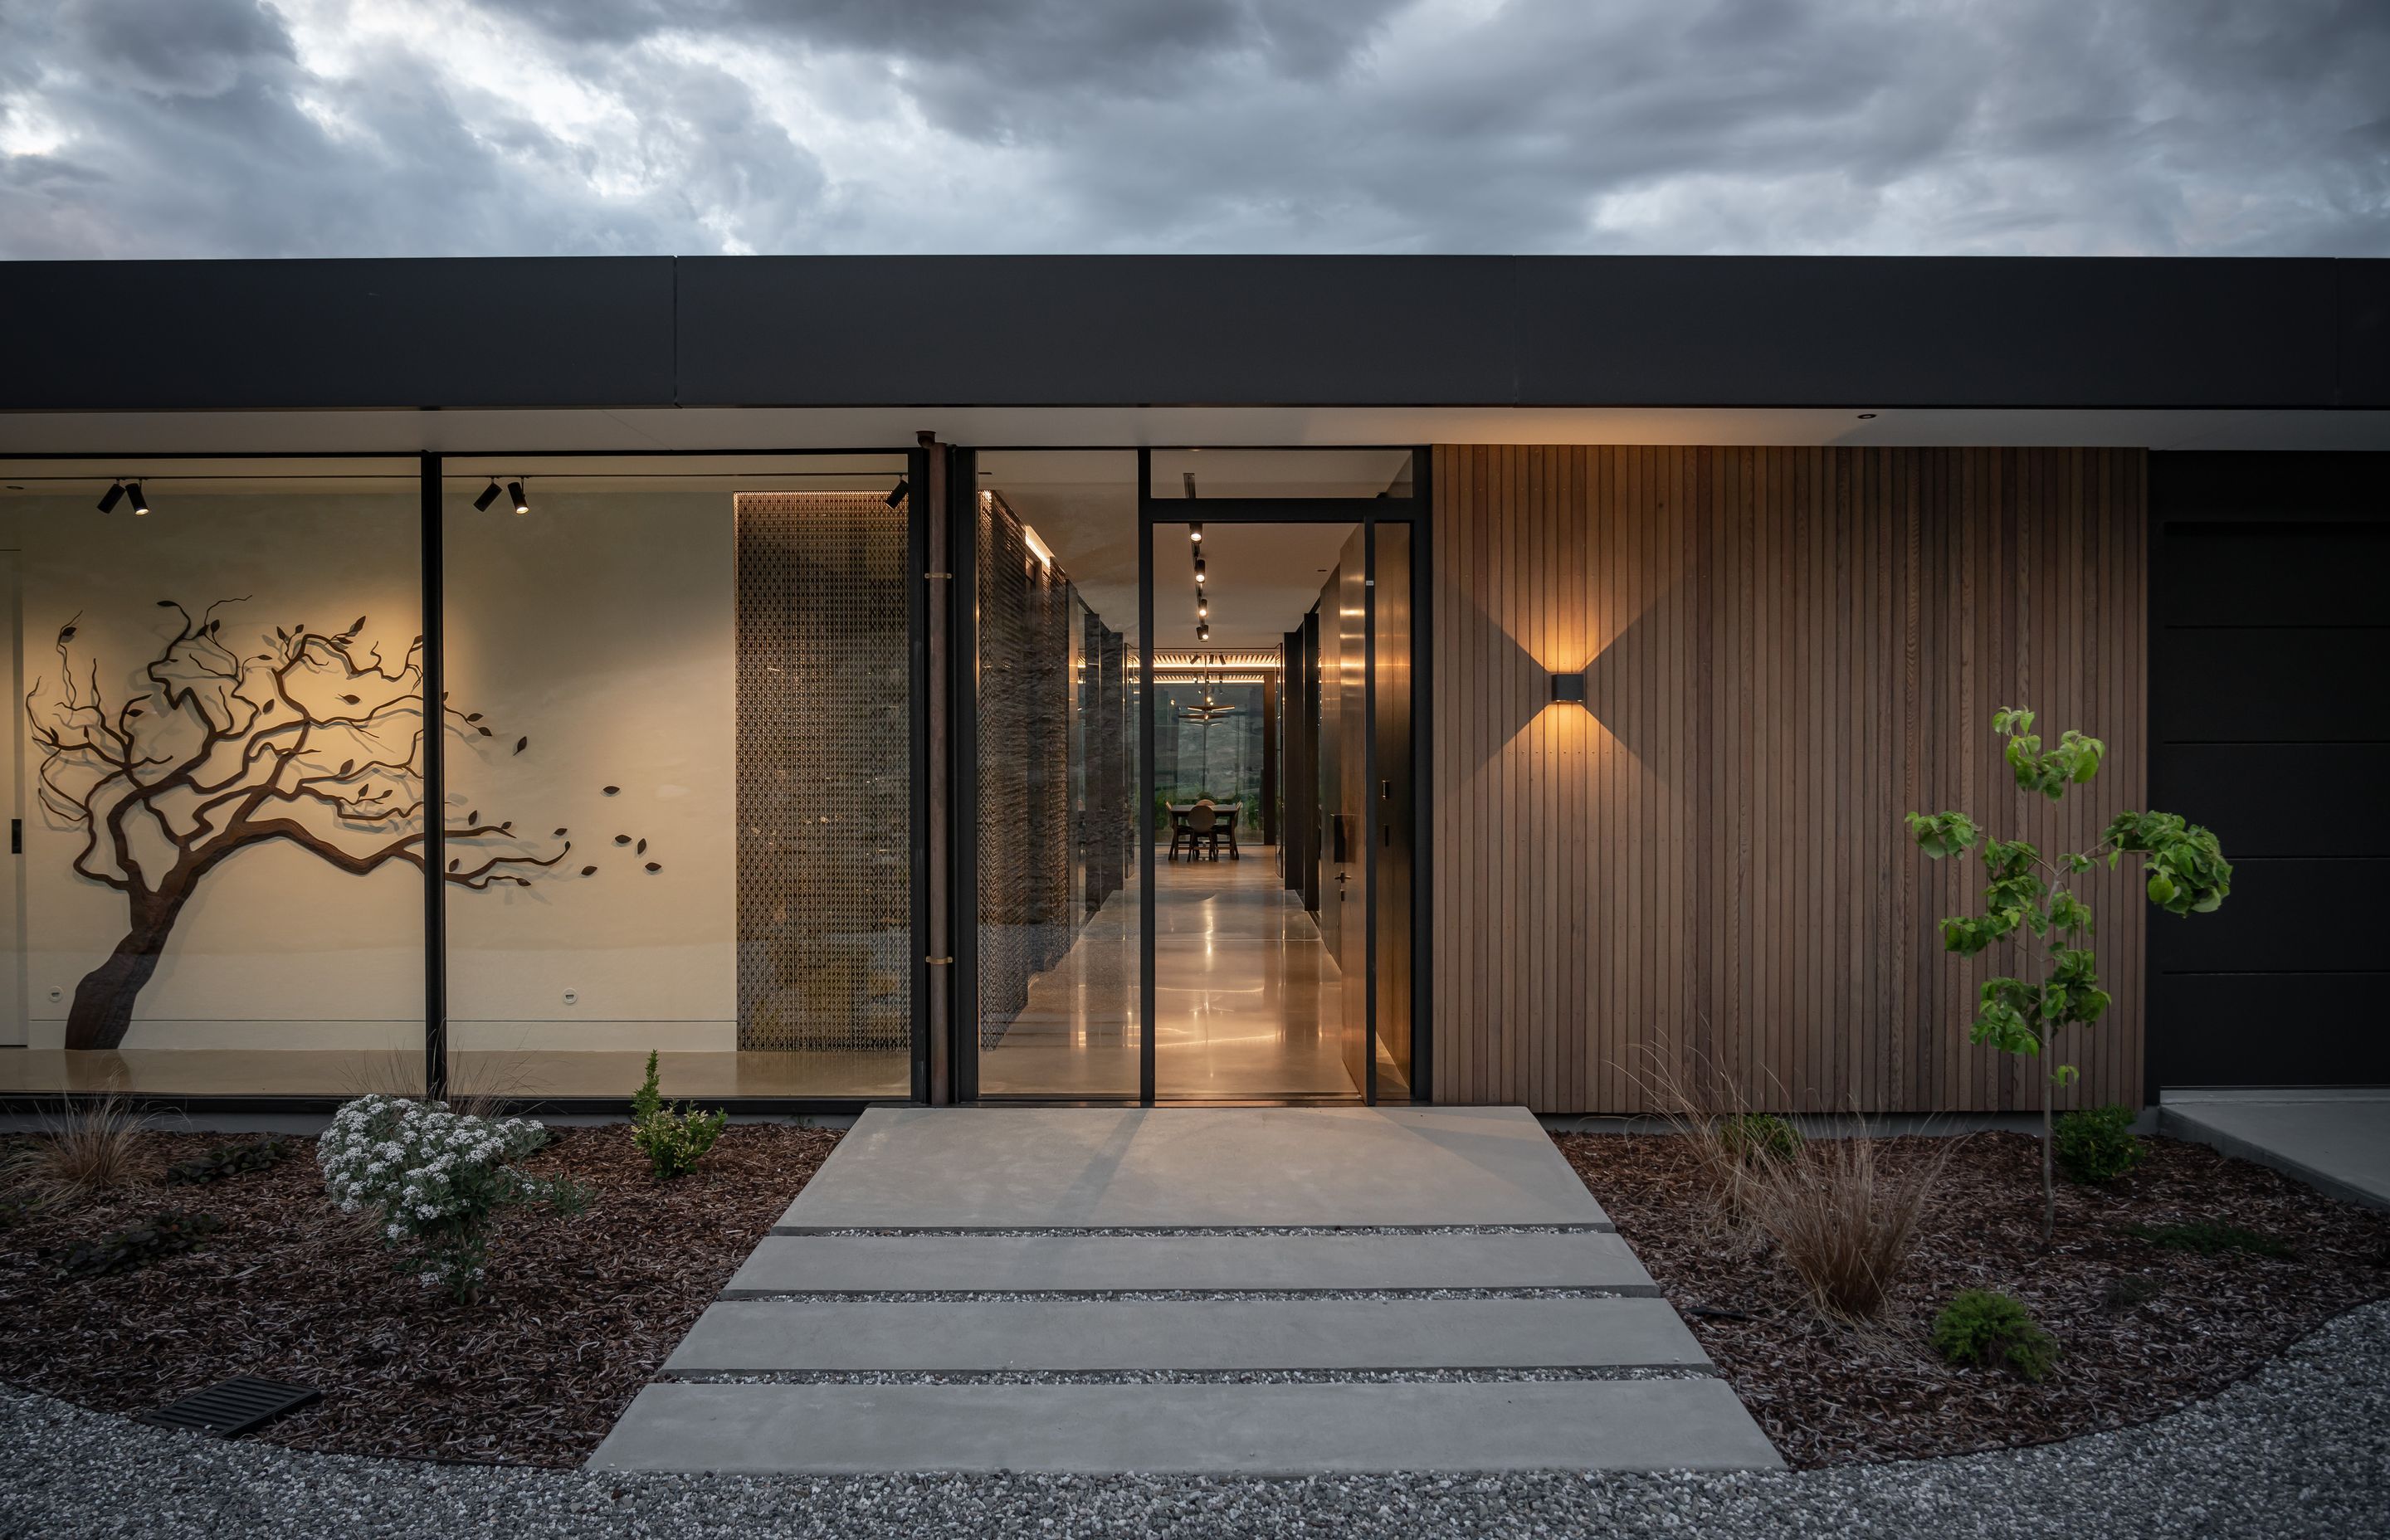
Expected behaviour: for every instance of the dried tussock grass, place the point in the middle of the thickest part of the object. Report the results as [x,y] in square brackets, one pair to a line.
[83,1149]
[1843,1220]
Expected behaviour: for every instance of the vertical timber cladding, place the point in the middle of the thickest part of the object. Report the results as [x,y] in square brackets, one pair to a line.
[823,773]
[1789,649]
[1026,914]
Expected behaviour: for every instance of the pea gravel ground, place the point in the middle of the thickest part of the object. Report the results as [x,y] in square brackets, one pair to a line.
[2302,1448]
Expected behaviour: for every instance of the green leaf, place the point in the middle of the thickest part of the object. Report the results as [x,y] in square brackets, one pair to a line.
[2160,887]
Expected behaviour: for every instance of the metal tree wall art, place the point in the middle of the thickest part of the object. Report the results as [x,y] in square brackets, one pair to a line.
[312,738]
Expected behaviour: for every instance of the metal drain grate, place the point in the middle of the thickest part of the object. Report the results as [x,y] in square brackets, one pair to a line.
[232,1409]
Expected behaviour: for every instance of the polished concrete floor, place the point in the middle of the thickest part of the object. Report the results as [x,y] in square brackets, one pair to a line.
[306,1072]
[1250,1007]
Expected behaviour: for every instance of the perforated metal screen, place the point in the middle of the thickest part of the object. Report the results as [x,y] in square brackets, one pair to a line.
[825,807]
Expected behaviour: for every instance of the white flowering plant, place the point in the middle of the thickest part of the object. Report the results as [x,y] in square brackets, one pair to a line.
[436,1179]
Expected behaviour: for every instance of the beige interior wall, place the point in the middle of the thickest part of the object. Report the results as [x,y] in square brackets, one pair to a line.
[599,627]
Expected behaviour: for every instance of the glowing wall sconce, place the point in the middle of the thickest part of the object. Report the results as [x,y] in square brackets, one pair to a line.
[1569,688]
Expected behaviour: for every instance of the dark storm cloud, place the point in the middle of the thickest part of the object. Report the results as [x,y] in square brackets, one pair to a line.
[133,127]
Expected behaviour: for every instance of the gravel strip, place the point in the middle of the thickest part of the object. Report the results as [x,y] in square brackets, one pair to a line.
[1471,1376]
[1134,1296]
[2302,1448]
[1076,1232]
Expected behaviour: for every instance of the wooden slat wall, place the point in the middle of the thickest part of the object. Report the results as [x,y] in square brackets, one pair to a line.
[1789,648]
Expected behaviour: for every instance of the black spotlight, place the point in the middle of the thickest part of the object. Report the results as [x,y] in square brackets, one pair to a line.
[1199,572]
[1195,534]
[140,503]
[488,494]
[514,491]
[1202,633]
[896,494]
[112,497]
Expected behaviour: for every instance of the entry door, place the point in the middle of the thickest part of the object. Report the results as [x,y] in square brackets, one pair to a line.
[12,879]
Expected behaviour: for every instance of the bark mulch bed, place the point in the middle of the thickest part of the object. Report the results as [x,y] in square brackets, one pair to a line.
[1830,1393]
[577,1315]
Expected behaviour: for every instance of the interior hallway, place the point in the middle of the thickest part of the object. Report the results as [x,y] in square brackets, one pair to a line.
[1249,1004]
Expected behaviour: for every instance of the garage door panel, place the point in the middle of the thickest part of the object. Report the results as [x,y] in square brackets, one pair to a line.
[2281,914]
[2283,574]
[2327,685]
[2300,1029]
[2274,799]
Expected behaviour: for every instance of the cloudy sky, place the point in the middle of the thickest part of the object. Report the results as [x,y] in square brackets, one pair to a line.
[343,127]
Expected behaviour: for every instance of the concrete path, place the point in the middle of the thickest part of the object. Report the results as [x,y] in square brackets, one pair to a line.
[2336,1139]
[1182,1290]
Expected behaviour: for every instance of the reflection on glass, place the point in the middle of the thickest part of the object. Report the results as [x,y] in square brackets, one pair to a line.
[219,738]
[679,693]
[1057,659]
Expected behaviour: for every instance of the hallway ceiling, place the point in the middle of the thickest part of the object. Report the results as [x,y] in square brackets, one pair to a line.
[1262,577]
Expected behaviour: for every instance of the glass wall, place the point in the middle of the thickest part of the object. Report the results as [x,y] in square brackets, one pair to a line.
[216,764]
[680,773]
[1057,659]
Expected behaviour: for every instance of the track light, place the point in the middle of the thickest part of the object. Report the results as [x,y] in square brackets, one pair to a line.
[1195,534]
[1203,607]
[896,494]
[113,495]
[140,503]
[488,494]
[514,491]
[1199,572]
[1202,633]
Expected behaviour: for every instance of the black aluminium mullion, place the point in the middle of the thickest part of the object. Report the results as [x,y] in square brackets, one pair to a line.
[1147,695]
[1422,778]
[432,575]
[962,813]
[917,562]
[1369,814]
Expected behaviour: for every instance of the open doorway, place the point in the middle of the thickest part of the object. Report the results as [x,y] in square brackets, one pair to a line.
[1190,775]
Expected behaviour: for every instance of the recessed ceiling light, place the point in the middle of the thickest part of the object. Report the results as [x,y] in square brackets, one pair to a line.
[1864,416]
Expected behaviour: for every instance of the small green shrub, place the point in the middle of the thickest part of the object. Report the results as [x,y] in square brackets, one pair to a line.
[228,1160]
[2097,1144]
[674,1141]
[1982,1328]
[2209,1238]
[1748,1136]
[167,1234]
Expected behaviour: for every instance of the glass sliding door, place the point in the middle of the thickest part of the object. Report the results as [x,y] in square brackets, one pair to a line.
[1052,1009]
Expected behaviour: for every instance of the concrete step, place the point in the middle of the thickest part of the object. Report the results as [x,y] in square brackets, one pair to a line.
[1095,1264]
[1255,1430]
[989,1167]
[812,1336]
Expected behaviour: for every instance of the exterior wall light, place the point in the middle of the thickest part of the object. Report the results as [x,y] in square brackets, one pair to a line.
[1568,687]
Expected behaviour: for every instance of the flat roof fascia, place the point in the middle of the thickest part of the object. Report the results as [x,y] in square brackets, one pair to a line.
[1882,332]
[350,332]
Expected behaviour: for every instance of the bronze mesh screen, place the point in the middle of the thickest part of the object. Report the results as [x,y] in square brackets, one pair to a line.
[823,773]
